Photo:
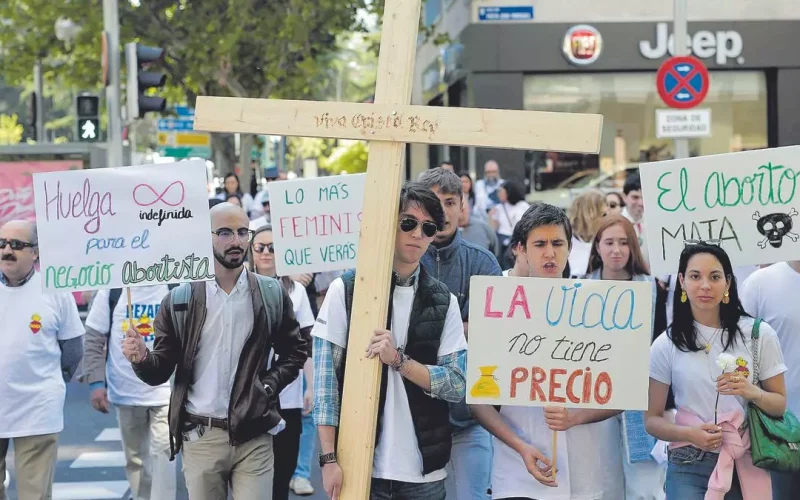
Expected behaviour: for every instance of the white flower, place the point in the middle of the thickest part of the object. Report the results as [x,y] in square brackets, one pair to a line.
[726,362]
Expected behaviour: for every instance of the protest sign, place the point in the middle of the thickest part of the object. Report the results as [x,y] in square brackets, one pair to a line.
[16,186]
[573,343]
[746,202]
[121,227]
[316,223]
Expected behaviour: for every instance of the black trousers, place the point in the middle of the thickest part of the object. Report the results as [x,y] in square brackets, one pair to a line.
[286,446]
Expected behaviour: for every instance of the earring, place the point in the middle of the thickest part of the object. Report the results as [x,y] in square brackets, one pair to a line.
[683,296]
[726,297]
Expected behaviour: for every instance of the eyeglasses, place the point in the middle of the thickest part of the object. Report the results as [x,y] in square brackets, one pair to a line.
[260,247]
[15,244]
[714,242]
[226,235]
[409,224]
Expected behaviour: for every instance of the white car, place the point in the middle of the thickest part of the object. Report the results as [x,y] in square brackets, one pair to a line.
[566,191]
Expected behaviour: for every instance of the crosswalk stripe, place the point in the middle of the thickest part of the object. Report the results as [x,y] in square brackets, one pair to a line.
[92,490]
[99,459]
[109,434]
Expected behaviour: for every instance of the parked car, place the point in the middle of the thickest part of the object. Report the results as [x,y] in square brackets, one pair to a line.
[566,191]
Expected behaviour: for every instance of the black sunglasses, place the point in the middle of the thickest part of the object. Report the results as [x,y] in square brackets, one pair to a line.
[260,247]
[409,224]
[15,244]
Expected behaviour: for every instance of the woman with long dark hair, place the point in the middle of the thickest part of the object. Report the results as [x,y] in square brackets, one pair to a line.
[711,395]
[616,255]
[294,400]
[231,186]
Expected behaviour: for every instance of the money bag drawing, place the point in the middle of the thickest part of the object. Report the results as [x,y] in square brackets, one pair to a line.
[775,227]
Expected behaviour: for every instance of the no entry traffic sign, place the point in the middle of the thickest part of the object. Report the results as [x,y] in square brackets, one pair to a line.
[682,82]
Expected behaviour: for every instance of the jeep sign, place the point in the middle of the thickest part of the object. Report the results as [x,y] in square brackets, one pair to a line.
[724,45]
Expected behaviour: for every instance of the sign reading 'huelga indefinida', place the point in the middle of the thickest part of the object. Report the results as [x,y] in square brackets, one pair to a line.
[746,202]
[128,226]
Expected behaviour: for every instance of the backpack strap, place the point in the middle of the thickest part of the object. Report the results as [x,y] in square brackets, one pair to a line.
[113,299]
[272,297]
[754,335]
[179,298]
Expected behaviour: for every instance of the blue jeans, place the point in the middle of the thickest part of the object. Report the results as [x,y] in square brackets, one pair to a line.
[383,489]
[471,459]
[785,485]
[308,439]
[688,471]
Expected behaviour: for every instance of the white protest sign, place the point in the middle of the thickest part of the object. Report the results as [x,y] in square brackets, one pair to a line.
[127,226]
[748,201]
[316,223]
[573,343]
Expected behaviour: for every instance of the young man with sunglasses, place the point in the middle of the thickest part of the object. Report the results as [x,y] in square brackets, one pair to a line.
[42,348]
[453,261]
[216,338]
[423,356]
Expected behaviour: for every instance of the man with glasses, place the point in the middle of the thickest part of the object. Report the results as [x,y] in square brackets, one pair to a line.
[42,348]
[216,337]
[423,354]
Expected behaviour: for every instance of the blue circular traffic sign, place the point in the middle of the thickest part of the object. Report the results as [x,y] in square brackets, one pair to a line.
[682,82]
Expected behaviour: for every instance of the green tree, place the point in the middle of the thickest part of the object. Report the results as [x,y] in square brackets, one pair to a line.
[241,48]
[10,130]
[351,159]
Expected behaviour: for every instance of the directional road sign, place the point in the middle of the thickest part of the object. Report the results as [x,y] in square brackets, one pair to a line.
[176,124]
[682,82]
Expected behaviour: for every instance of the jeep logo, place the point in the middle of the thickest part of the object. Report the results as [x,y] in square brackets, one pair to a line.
[704,44]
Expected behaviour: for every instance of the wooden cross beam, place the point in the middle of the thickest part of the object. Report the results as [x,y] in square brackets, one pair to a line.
[389,123]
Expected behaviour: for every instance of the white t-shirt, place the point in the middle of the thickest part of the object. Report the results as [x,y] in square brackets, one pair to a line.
[771,294]
[292,395]
[585,455]
[32,388]
[397,455]
[693,374]
[506,223]
[124,387]
[579,256]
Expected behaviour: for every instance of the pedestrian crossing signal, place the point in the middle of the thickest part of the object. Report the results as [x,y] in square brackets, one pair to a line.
[88,111]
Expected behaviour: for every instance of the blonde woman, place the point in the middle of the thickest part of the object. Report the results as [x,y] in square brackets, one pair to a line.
[585,215]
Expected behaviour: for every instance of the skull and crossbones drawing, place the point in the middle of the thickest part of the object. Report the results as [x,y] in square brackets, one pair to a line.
[775,227]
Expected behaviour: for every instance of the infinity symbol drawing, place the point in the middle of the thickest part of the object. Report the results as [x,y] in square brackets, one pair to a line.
[137,197]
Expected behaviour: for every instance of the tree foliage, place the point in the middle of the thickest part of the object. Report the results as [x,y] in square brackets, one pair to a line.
[10,130]
[351,159]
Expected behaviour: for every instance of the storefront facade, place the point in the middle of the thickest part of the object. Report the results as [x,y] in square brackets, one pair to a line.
[610,68]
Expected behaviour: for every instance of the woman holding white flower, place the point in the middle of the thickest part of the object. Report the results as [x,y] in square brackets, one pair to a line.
[709,436]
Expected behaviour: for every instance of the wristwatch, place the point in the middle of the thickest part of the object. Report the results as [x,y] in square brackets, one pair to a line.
[327,458]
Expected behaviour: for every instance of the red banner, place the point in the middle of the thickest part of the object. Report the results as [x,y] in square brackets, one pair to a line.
[16,186]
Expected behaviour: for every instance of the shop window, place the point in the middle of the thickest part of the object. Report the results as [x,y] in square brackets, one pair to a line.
[628,103]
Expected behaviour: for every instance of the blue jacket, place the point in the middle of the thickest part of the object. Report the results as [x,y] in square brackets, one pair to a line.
[454,265]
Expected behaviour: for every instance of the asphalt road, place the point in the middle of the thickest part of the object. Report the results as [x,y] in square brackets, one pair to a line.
[90,458]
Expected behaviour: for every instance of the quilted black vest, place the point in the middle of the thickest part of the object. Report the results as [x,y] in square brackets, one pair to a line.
[425,329]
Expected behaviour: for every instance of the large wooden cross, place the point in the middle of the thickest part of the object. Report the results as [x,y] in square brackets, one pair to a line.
[388,124]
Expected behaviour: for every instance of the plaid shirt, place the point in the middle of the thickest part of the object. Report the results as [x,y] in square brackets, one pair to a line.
[447,379]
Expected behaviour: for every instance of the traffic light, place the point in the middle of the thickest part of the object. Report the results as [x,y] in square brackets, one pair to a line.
[88,107]
[138,58]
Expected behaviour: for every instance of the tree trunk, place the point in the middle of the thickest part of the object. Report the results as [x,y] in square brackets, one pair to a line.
[224,155]
[245,149]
